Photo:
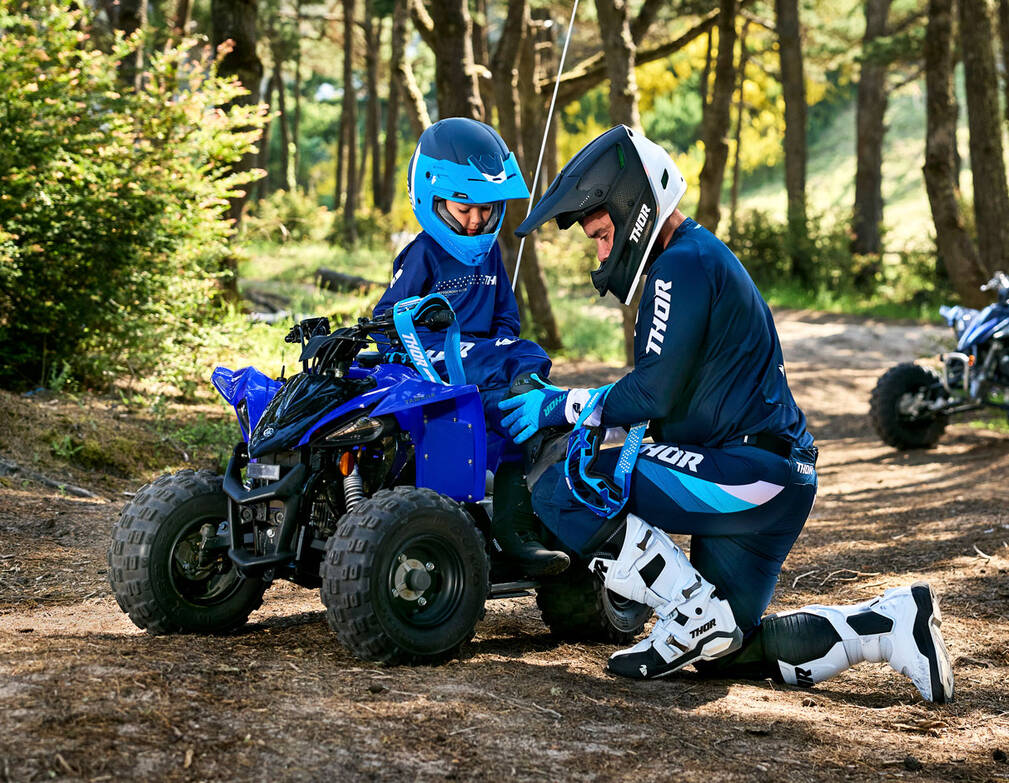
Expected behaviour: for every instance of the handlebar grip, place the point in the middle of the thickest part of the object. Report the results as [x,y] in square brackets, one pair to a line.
[437,320]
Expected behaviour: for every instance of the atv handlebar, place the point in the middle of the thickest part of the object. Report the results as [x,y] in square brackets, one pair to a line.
[999,282]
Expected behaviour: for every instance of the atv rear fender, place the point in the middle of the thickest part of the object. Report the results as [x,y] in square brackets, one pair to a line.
[446,424]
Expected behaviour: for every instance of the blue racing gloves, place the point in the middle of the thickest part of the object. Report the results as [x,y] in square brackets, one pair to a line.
[547,406]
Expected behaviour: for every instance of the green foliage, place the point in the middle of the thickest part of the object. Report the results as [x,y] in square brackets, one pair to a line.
[286,216]
[111,201]
[906,283]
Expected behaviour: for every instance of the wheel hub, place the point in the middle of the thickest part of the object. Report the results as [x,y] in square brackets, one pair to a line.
[412,578]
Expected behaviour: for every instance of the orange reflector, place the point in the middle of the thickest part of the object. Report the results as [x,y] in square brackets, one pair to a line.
[347,463]
[970,362]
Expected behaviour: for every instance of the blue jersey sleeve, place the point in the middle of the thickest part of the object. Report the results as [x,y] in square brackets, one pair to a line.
[672,325]
[506,321]
[411,276]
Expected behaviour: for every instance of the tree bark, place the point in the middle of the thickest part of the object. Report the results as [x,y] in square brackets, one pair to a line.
[350,124]
[416,108]
[740,108]
[286,180]
[371,117]
[991,199]
[481,57]
[956,249]
[296,124]
[870,128]
[235,20]
[793,81]
[1003,33]
[619,50]
[449,32]
[263,157]
[180,23]
[716,121]
[129,16]
[504,67]
[397,46]
[532,116]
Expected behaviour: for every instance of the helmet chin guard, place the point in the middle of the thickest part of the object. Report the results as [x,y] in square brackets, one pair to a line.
[635,181]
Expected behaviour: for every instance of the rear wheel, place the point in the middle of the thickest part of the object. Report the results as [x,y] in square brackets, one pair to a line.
[576,606]
[899,409]
[405,577]
[168,566]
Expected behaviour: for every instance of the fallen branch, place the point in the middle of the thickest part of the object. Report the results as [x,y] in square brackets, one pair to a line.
[854,575]
[11,468]
[338,281]
[522,705]
[800,576]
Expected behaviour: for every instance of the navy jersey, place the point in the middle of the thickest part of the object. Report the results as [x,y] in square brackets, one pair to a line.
[707,362]
[480,295]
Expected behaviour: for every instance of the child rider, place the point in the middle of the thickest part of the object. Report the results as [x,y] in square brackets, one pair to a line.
[459,178]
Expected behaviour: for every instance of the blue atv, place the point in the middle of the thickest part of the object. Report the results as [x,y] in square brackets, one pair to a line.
[363,477]
[911,404]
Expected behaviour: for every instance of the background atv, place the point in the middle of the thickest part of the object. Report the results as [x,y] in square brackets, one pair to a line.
[357,477]
[911,404]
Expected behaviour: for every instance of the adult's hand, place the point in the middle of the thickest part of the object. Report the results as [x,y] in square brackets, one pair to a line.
[534,410]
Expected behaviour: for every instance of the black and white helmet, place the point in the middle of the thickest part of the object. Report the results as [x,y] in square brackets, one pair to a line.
[635,181]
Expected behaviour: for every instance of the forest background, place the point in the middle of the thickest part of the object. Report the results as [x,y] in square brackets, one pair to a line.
[174,174]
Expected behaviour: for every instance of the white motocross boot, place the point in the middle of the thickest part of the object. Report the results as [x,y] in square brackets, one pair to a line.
[900,627]
[693,623]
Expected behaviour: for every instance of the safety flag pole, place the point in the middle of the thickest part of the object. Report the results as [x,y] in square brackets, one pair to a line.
[546,132]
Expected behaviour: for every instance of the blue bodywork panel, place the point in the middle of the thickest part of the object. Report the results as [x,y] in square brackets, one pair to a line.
[445,423]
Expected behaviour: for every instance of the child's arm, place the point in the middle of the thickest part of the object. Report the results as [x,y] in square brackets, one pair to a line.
[411,276]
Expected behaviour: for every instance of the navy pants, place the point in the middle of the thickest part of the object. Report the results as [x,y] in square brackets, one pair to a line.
[493,363]
[742,506]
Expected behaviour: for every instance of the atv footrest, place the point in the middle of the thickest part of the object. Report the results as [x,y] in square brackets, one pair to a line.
[512,589]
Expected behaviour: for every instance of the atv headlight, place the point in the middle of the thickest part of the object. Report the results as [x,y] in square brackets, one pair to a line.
[362,429]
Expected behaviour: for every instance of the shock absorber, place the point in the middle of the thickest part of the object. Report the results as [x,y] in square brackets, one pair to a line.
[353,489]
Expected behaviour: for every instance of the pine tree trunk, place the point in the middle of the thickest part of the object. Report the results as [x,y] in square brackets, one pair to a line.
[350,126]
[716,121]
[870,128]
[341,144]
[413,98]
[370,146]
[793,87]
[619,51]
[286,182]
[956,249]
[263,157]
[129,16]
[397,47]
[504,67]
[991,198]
[1003,34]
[180,22]
[740,107]
[455,73]
[296,124]
[481,57]
[531,118]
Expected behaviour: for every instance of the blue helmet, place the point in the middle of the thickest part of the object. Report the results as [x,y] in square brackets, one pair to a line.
[462,160]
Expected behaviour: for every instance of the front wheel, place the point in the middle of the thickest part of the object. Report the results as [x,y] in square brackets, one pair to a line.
[575,605]
[899,408]
[405,577]
[168,566]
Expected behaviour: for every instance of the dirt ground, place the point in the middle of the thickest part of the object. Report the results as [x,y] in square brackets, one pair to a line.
[86,696]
